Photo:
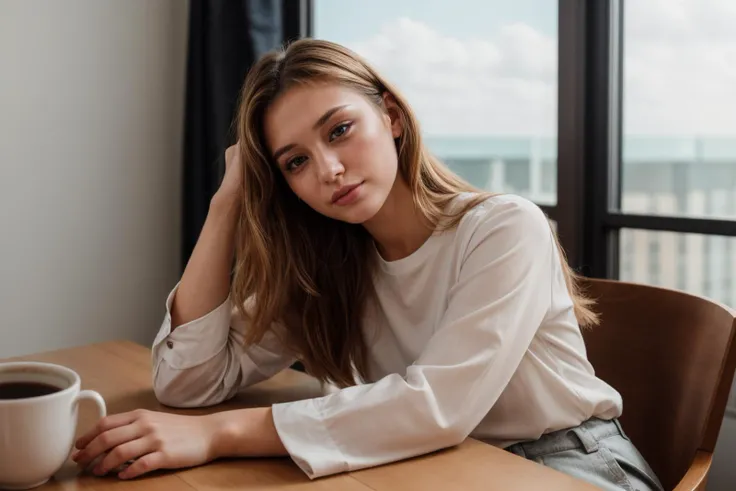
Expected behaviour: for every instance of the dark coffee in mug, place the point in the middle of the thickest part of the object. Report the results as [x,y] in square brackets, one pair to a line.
[37,432]
[25,390]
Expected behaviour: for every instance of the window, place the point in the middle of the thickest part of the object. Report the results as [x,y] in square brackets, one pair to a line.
[678,149]
[679,145]
[615,116]
[697,263]
[481,76]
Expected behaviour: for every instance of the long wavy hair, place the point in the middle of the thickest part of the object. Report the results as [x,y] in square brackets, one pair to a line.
[309,278]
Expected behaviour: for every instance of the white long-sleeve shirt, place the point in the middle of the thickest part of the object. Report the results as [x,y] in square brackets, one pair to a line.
[473,334]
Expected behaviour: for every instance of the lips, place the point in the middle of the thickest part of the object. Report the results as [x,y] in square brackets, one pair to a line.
[343,191]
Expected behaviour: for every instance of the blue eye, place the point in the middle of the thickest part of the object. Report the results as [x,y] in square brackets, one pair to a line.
[339,131]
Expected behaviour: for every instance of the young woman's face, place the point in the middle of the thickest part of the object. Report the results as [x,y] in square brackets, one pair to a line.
[335,149]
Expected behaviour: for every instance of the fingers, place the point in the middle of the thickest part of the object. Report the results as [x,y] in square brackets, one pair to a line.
[147,463]
[106,424]
[105,441]
[123,453]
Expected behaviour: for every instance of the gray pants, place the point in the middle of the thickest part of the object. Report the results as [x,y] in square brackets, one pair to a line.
[597,451]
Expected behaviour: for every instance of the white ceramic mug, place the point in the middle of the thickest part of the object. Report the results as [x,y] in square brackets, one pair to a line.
[37,433]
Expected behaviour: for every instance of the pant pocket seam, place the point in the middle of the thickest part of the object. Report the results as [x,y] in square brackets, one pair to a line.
[615,468]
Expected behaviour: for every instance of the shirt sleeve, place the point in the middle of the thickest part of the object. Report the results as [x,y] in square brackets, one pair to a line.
[204,362]
[501,296]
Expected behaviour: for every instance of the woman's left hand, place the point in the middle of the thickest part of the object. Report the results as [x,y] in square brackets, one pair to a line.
[154,440]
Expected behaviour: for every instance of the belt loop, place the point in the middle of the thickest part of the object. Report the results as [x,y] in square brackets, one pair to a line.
[589,442]
[620,429]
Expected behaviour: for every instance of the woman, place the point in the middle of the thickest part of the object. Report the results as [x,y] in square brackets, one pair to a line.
[440,312]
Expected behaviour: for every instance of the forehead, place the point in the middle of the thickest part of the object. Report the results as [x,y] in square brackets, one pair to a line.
[293,114]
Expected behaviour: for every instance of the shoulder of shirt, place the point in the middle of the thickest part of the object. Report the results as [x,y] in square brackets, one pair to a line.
[515,215]
[501,207]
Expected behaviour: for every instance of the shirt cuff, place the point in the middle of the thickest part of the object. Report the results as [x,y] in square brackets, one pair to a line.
[304,433]
[195,342]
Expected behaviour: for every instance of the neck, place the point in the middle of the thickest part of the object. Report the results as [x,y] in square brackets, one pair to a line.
[399,228]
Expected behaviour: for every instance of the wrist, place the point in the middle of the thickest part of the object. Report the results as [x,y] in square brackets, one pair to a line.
[245,433]
[225,203]
[224,432]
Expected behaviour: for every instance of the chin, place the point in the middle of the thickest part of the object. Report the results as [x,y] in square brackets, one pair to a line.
[358,217]
[359,213]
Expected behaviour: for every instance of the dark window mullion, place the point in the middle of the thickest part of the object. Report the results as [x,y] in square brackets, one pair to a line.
[588,132]
[571,126]
[708,226]
[615,184]
[601,246]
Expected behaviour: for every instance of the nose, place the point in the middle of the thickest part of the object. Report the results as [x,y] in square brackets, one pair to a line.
[329,166]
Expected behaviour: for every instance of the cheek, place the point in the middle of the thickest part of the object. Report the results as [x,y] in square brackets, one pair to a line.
[299,187]
[376,150]
[306,187]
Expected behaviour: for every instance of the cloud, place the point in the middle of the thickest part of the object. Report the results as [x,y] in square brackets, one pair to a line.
[680,72]
[680,67]
[502,86]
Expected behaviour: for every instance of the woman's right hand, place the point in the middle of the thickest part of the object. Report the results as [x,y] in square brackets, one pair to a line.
[232,182]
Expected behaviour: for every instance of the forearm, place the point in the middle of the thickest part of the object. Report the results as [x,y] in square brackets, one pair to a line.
[205,283]
[246,433]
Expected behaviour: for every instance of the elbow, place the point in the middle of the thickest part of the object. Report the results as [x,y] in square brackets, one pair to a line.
[165,398]
[170,396]
[436,439]
[179,389]
[447,435]
[452,436]
[170,393]
[444,424]
[449,426]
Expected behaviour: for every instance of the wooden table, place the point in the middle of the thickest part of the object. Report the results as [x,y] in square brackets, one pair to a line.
[121,372]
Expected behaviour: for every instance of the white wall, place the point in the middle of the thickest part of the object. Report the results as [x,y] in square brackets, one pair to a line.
[91,107]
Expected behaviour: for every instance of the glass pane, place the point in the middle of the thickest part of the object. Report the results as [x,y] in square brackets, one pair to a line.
[480,75]
[679,143]
[700,264]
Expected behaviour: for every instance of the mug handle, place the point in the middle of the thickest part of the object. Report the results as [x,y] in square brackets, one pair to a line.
[93,396]
[99,402]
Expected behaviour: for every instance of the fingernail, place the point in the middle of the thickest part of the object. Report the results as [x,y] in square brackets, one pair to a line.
[75,454]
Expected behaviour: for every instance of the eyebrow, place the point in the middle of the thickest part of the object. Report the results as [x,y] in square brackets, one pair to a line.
[321,121]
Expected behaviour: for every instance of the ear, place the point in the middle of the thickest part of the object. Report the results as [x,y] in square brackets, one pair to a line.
[393,114]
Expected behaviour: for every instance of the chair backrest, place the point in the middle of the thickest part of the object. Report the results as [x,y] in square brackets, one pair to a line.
[672,357]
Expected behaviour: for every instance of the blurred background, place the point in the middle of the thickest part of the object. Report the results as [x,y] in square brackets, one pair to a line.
[617,117]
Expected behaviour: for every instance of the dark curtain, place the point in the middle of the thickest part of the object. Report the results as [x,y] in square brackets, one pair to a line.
[225,38]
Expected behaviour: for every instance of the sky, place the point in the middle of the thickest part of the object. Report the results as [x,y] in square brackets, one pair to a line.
[489,67]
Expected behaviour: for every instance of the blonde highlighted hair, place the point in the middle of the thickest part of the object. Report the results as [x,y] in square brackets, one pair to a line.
[305,276]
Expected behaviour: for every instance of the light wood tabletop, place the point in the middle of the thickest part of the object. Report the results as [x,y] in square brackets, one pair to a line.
[121,373]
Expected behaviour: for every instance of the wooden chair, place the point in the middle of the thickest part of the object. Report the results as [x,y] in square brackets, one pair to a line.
[672,357]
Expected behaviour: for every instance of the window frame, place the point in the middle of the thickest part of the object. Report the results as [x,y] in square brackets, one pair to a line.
[590,87]
[589,216]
